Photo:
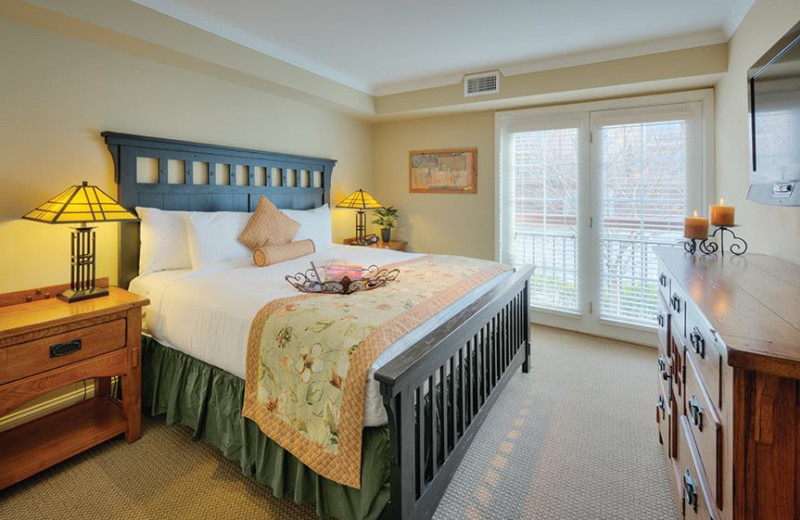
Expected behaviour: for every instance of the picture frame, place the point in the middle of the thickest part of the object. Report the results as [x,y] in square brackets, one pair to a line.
[443,171]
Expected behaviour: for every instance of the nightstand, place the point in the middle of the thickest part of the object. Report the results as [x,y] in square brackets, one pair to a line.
[395,245]
[46,344]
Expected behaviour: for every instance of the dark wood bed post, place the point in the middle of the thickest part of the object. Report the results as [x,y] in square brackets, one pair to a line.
[469,359]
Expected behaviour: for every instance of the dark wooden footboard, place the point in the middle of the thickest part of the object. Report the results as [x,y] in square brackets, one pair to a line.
[438,392]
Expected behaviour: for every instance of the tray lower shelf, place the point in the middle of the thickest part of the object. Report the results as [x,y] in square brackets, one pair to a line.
[32,447]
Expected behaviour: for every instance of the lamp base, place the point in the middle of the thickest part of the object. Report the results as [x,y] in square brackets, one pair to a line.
[72,296]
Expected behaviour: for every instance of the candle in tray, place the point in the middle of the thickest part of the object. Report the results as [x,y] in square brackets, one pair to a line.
[722,215]
[695,227]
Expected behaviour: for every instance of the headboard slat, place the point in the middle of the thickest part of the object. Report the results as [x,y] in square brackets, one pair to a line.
[126,149]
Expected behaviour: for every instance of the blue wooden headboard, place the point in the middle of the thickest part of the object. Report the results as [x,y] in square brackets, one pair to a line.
[204,177]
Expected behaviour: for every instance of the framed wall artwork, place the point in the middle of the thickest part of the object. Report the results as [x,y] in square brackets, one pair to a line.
[443,171]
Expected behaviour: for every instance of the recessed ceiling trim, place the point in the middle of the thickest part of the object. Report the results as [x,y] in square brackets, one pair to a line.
[677,43]
[183,10]
[688,41]
[246,39]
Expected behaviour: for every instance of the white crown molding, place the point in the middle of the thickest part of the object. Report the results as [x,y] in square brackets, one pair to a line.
[737,13]
[212,25]
[686,41]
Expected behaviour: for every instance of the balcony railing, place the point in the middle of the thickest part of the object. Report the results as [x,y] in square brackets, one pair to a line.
[554,252]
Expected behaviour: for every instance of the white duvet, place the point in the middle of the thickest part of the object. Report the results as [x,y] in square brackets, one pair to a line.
[206,313]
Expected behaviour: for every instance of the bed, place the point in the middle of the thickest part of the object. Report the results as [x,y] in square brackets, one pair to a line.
[427,394]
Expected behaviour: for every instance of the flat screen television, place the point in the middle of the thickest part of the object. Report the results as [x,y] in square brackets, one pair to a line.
[775,123]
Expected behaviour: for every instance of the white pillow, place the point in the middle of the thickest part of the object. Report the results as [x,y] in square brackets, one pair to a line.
[314,224]
[164,243]
[213,237]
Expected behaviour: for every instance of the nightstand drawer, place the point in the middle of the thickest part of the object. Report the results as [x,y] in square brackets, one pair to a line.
[40,355]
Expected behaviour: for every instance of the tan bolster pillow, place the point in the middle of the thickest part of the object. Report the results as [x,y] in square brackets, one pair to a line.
[268,255]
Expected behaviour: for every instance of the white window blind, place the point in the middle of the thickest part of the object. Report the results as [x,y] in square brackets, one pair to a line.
[543,225]
[643,201]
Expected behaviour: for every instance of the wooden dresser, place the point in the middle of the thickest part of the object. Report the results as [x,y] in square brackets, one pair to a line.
[728,403]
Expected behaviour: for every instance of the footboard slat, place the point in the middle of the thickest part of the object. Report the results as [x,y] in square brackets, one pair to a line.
[420,444]
[445,385]
[462,394]
[450,440]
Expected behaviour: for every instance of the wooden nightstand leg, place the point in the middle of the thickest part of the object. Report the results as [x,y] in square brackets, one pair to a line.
[132,381]
[132,406]
[102,386]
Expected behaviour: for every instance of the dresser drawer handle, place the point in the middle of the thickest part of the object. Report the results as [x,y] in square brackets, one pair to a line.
[676,302]
[662,364]
[696,411]
[690,490]
[662,279]
[662,367]
[698,342]
[660,319]
[63,349]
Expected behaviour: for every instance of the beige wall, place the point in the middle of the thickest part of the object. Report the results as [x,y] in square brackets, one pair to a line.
[768,229]
[59,93]
[434,222]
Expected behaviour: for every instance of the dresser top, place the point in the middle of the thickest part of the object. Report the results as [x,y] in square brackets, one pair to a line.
[752,301]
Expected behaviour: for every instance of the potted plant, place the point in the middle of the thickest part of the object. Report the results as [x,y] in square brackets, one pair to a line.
[387,220]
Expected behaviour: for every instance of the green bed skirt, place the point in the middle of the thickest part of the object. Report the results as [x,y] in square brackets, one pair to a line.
[209,401]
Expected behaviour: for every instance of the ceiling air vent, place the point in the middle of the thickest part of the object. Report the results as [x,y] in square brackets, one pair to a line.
[481,84]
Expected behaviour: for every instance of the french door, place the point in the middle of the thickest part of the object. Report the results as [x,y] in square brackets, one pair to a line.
[587,193]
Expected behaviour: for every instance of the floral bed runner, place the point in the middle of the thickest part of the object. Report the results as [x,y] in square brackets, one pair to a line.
[308,357]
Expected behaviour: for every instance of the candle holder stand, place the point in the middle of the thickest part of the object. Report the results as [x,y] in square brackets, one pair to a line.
[738,245]
[704,245]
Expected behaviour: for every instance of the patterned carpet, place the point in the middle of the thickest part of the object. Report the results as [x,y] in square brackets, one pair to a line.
[574,439]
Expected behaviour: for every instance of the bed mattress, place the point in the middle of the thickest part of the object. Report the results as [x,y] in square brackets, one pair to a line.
[206,313]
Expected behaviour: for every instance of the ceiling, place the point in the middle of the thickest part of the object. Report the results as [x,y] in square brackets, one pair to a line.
[384,47]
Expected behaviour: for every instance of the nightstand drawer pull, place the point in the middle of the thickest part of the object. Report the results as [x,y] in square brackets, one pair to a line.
[63,349]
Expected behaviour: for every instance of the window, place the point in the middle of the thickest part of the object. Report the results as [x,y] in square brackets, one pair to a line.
[585,194]
[545,194]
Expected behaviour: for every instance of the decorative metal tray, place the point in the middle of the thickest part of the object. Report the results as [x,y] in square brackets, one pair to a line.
[311,282]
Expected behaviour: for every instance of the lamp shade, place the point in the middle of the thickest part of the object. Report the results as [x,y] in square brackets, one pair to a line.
[80,203]
[360,199]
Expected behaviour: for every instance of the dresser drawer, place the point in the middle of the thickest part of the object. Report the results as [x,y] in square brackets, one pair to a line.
[694,495]
[706,352]
[662,321]
[36,356]
[677,356]
[706,427]
[677,306]
[665,415]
